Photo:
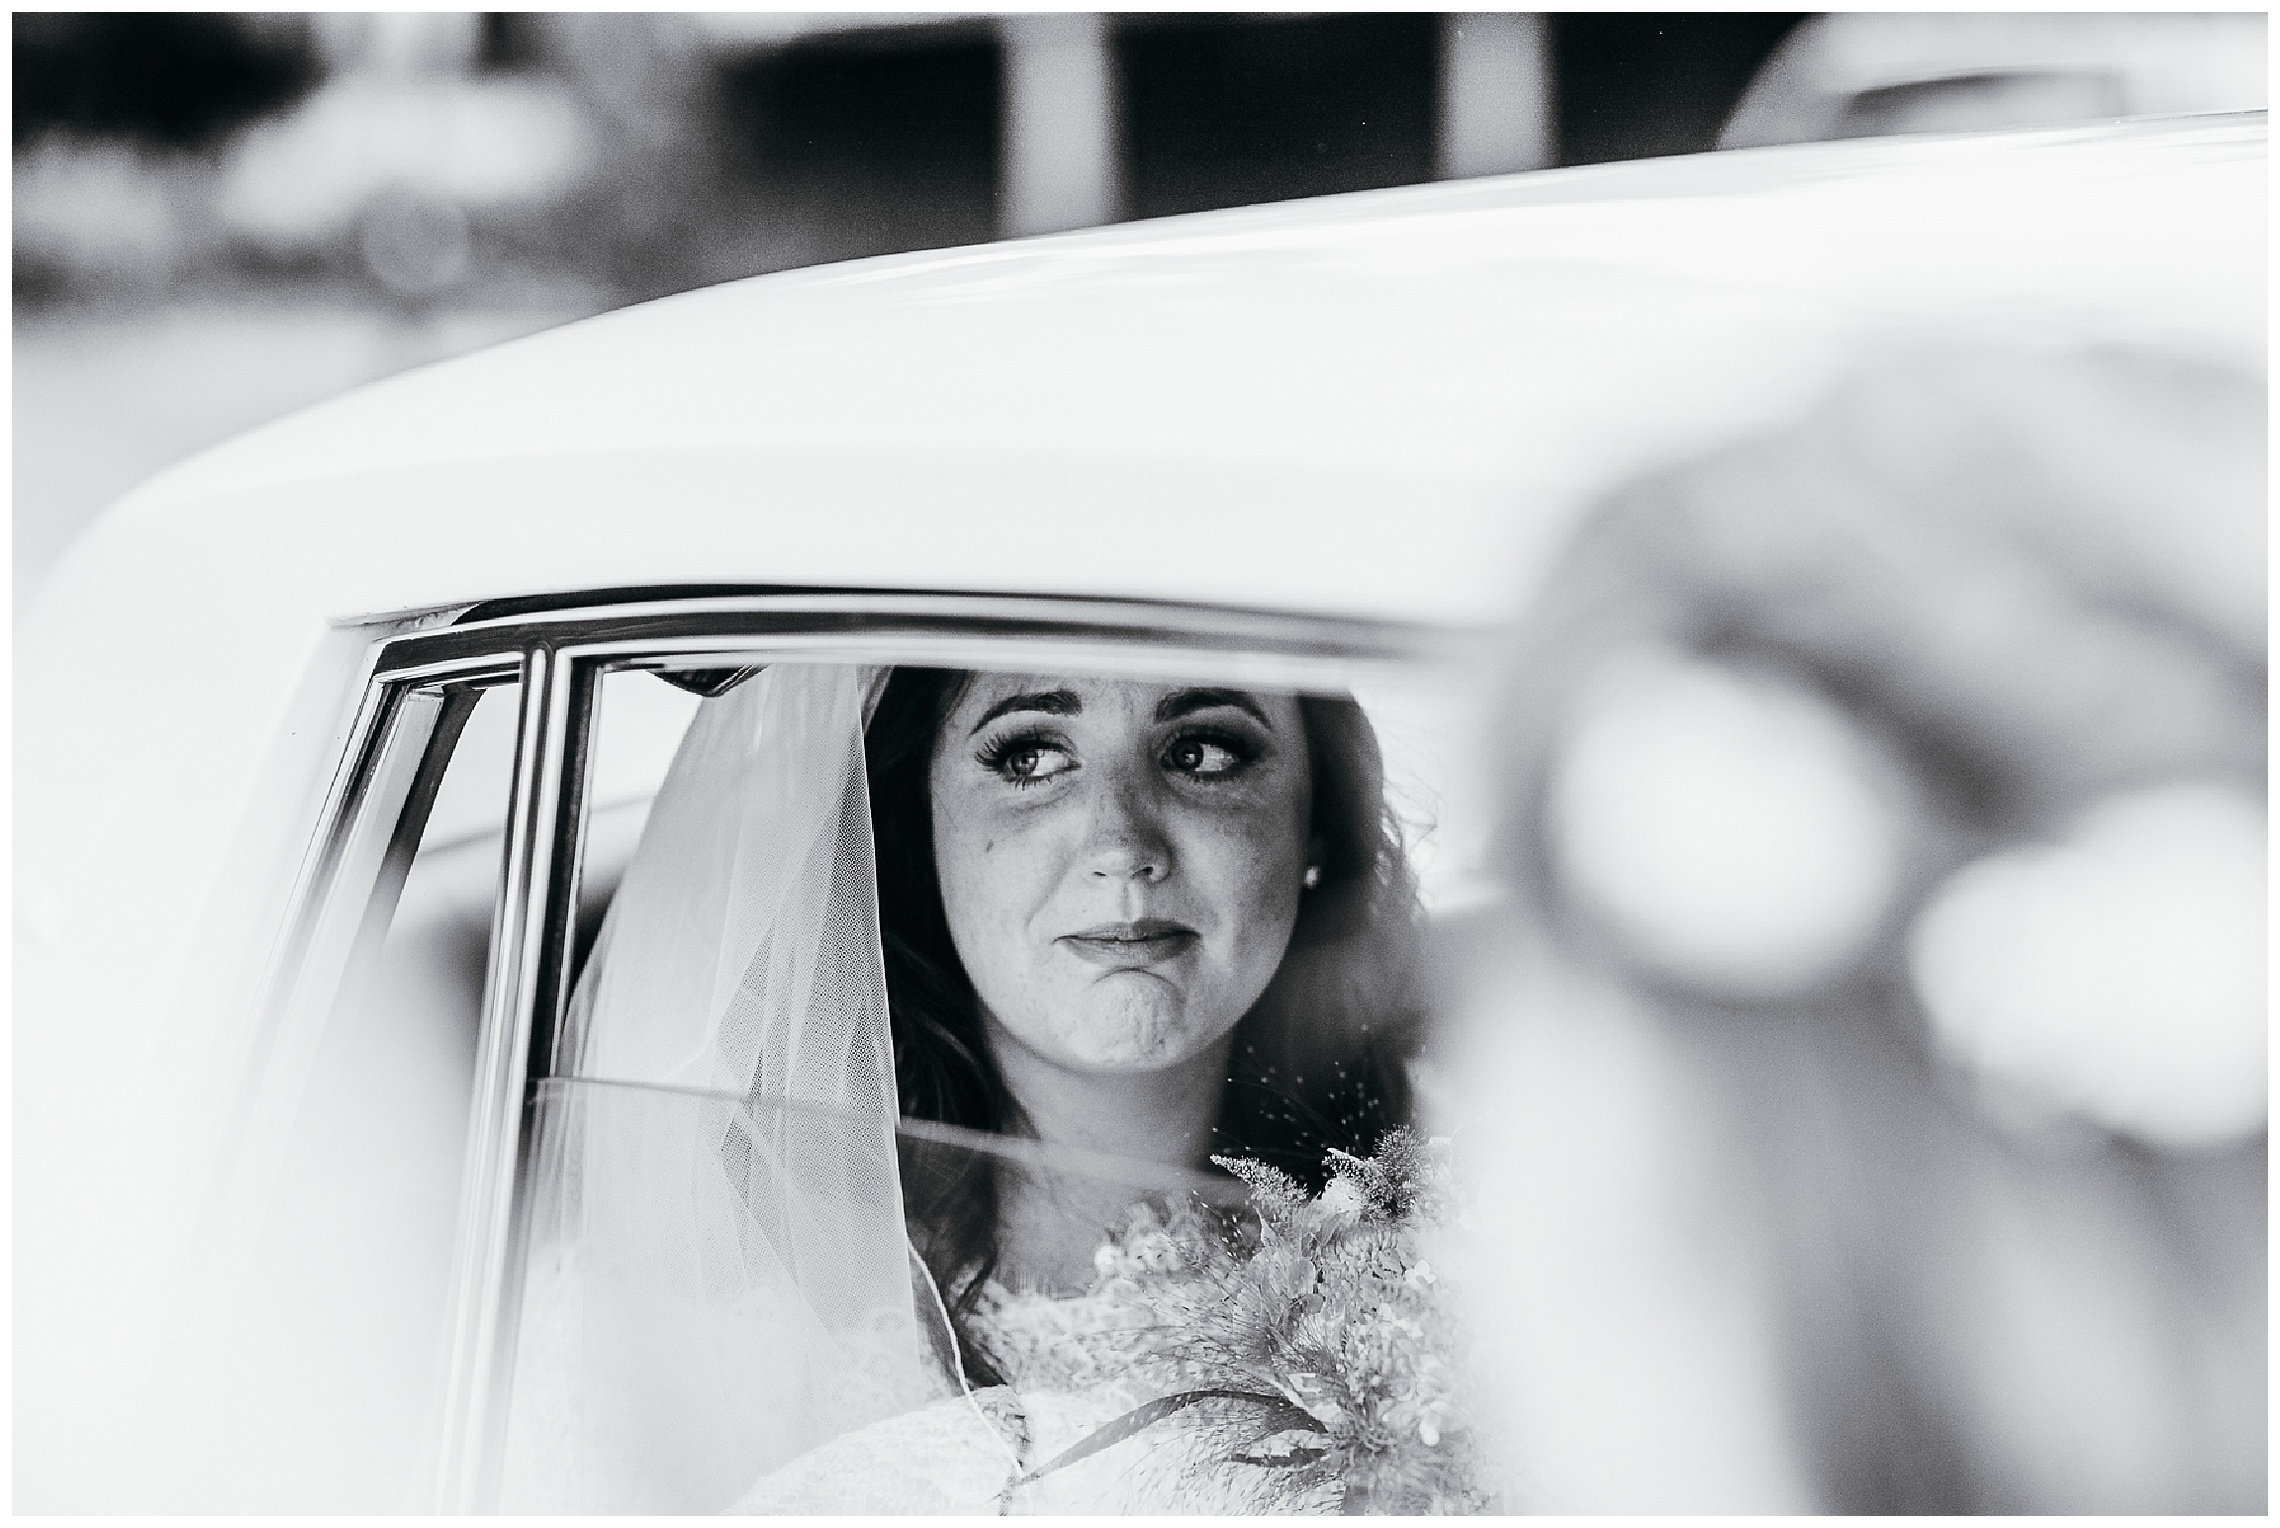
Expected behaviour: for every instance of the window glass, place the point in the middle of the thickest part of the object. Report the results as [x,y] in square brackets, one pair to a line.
[639,723]
[1436,778]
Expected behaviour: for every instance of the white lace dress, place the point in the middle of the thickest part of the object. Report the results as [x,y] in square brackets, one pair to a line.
[1073,1363]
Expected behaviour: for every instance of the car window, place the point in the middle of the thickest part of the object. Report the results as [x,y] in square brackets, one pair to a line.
[745,910]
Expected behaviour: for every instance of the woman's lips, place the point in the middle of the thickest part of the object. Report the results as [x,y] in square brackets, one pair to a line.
[1129,946]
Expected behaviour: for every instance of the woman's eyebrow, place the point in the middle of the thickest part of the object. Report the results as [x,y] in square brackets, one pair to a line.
[1184,702]
[1051,702]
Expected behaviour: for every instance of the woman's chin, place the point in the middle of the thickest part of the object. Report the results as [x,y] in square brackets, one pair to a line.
[1131,1023]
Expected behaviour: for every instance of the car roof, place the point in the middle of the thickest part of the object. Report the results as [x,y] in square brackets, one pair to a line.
[1386,404]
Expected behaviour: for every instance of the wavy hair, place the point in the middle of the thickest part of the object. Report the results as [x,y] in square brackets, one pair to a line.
[1316,1063]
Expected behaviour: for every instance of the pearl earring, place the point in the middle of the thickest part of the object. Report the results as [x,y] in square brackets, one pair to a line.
[1313,877]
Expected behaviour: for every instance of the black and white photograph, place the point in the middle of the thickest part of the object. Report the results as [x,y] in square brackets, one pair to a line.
[1026,762]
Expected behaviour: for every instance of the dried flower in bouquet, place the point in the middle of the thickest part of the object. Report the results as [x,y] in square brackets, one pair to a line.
[1313,1336]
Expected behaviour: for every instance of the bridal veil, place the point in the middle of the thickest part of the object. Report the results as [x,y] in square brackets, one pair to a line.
[719,1279]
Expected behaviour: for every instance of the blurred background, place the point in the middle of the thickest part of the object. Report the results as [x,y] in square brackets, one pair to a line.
[221,217]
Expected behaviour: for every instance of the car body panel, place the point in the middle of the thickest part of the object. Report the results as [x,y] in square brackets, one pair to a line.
[1213,398]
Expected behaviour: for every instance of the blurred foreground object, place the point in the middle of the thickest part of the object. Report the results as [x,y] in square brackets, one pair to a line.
[1886,799]
[1865,75]
[2008,590]
[2119,972]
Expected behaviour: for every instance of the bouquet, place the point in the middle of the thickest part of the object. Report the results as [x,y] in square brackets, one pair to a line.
[1316,1337]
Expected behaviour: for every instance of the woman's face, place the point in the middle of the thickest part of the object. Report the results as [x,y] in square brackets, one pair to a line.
[1121,862]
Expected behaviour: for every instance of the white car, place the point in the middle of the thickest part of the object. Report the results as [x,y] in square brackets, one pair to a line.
[332,740]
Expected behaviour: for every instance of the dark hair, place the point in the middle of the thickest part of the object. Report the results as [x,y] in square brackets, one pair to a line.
[1315,1064]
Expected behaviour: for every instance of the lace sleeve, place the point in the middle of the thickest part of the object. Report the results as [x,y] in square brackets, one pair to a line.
[956,1456]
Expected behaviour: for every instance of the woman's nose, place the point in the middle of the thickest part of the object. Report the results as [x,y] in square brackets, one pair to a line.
[1124,840]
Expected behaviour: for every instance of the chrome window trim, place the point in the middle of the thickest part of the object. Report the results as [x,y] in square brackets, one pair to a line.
[871,623]
[560,657]
[491,667]
[1116,654]
[522,1001]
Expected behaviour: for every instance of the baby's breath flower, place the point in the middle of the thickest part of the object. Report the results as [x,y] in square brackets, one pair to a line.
[1322,1306]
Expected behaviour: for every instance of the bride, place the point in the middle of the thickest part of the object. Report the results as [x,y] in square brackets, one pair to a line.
[1160,922]
[1118,933]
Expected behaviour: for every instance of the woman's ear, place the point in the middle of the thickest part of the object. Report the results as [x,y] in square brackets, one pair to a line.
[1316,848]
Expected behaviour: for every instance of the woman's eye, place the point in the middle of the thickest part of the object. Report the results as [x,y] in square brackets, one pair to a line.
[1028,763]
[1204,758]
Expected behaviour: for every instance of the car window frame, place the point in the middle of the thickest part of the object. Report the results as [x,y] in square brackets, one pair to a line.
[419,688]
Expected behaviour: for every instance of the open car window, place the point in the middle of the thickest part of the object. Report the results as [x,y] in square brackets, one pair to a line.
[725,1251]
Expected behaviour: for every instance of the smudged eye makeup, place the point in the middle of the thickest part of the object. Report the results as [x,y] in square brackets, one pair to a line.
[1032,756]
[1026,758]
[1206,753]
